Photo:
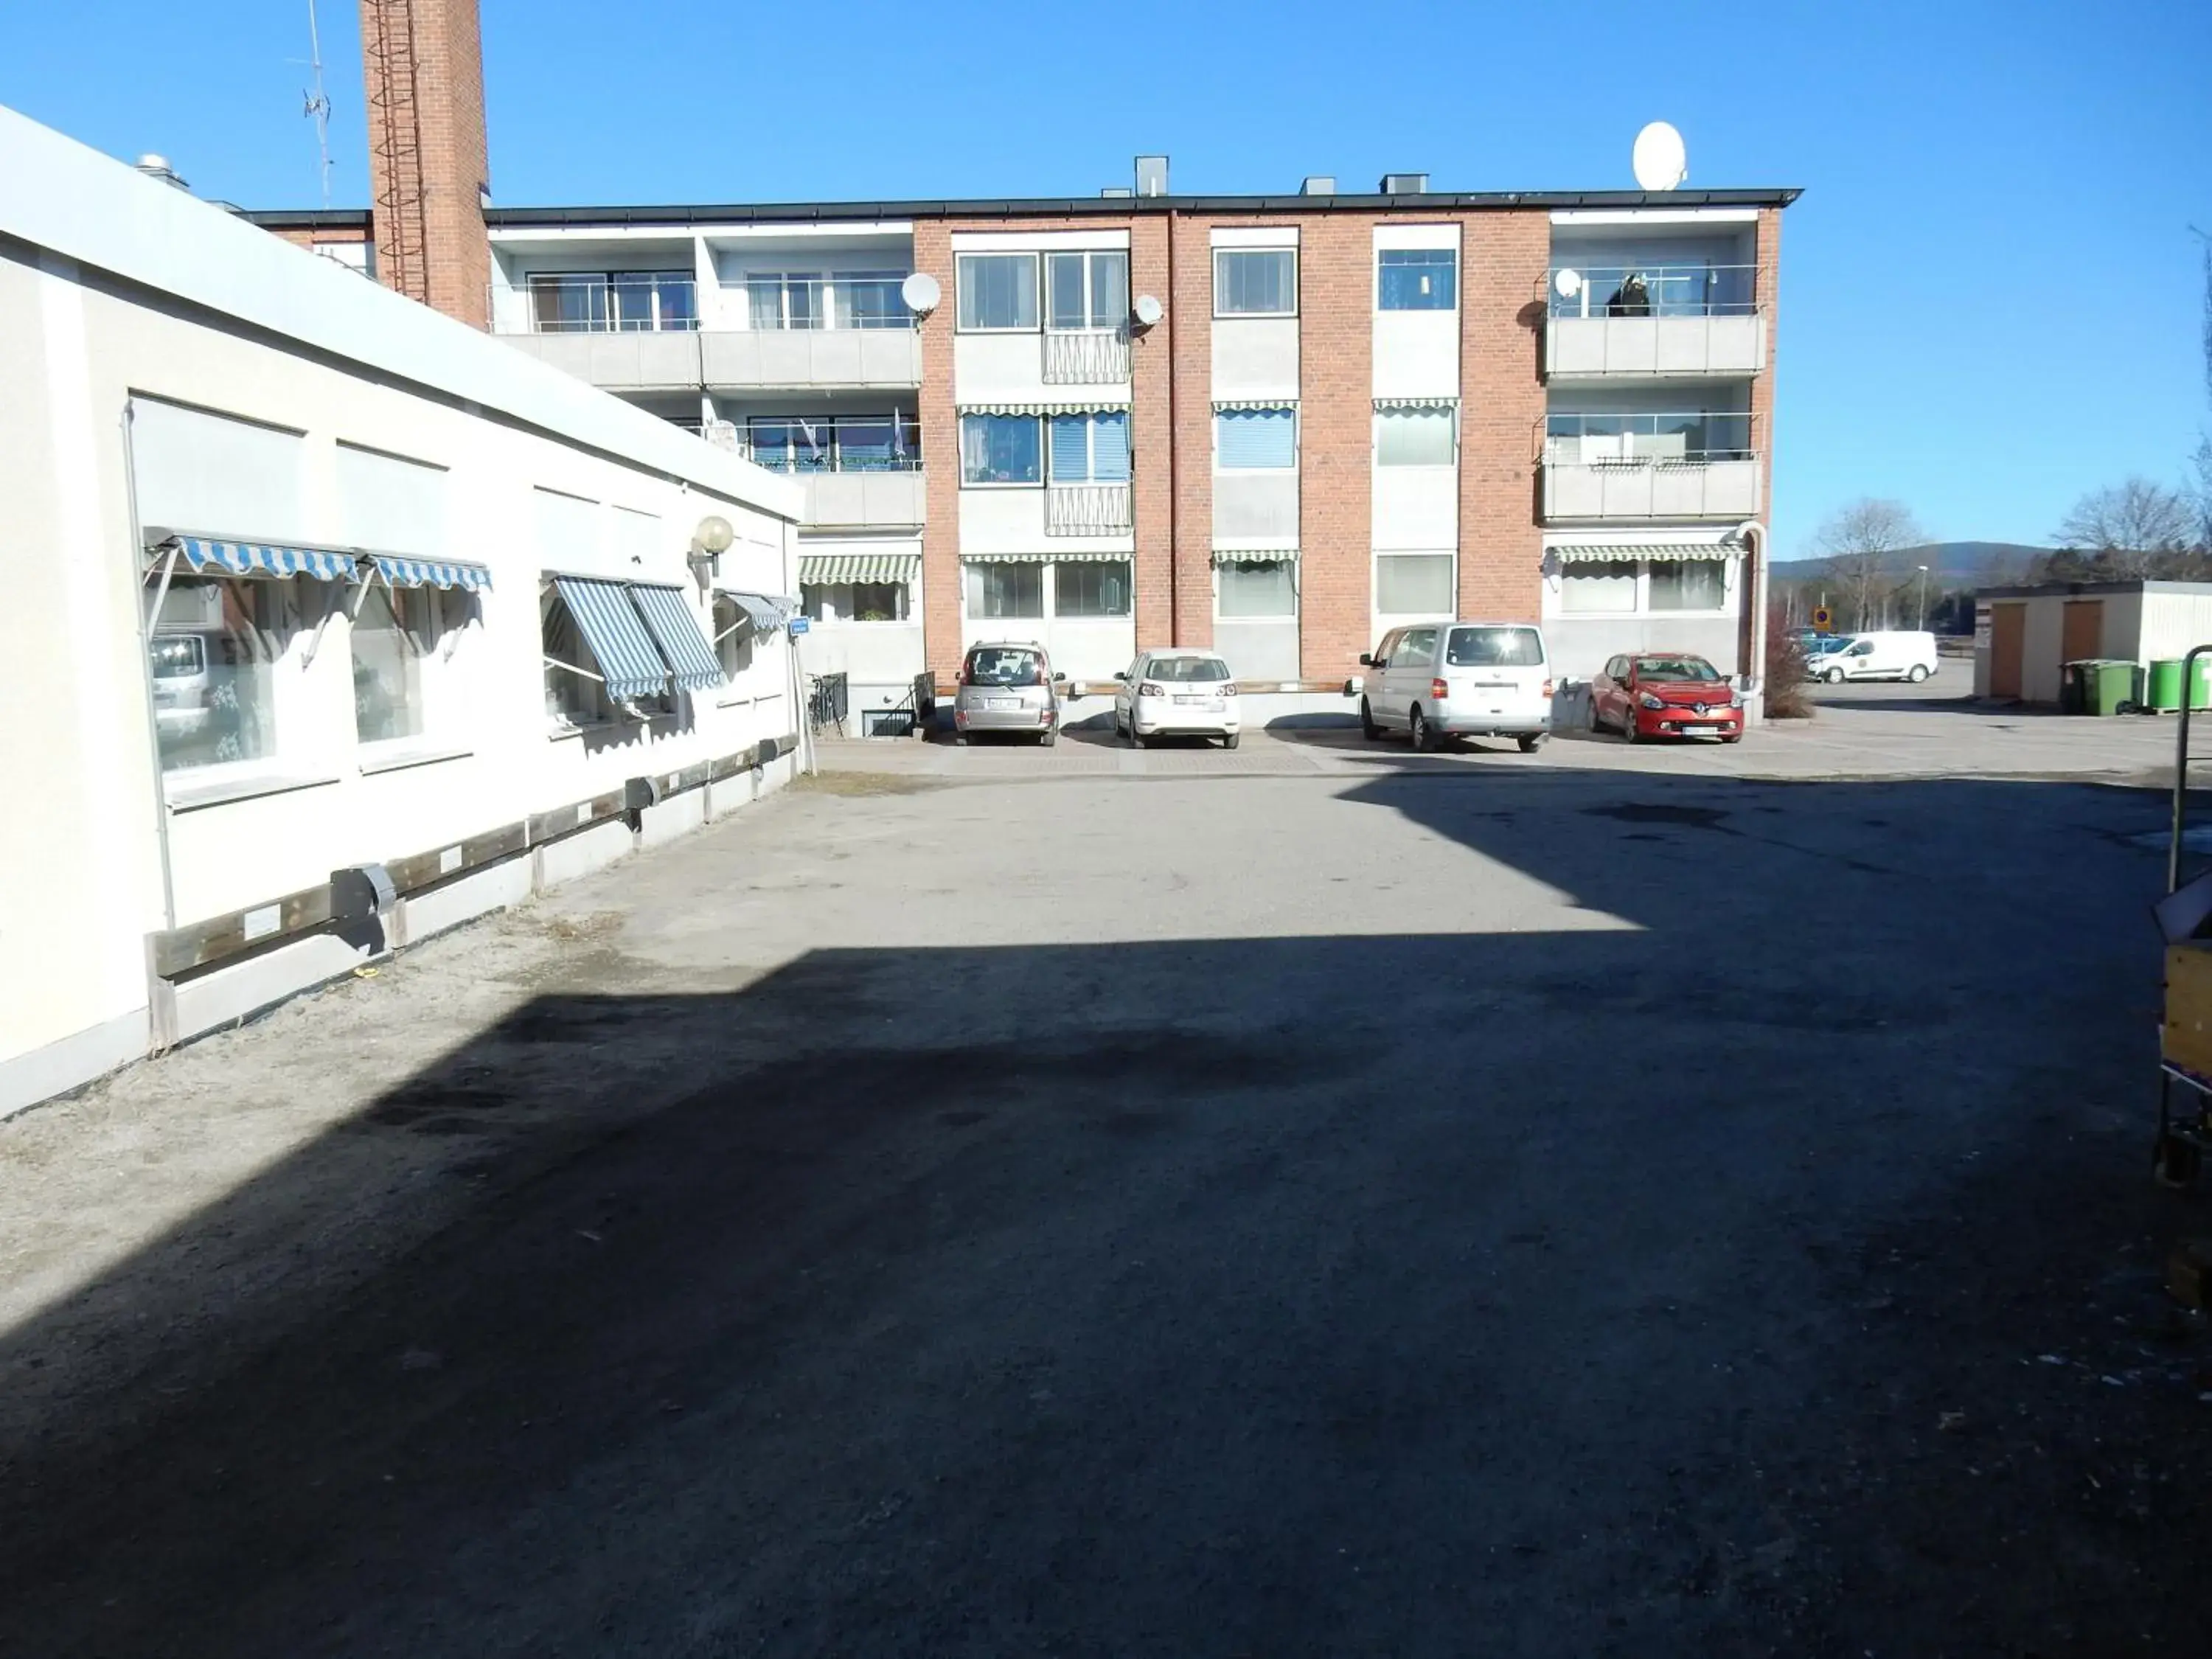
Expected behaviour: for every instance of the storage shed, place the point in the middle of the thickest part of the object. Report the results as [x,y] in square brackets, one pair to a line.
[2023,634]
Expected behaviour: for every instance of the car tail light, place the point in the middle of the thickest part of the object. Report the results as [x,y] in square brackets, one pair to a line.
[1149,689]
[1440,691]
[1228,690]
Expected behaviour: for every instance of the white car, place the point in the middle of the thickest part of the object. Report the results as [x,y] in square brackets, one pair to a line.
[1890,656]
[1462,679]
[1176,694]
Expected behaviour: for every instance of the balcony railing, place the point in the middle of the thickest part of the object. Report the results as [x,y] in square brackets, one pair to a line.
[1087,510]
[1696,465]
[840,443]
[602,302]
[1700,290]
[870,302]
[1090,357]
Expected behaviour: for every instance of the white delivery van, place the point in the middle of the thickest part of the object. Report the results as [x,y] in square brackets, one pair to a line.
[1879,657]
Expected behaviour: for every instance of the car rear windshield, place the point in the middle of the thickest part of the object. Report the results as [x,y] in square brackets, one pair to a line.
[1184,669]
[1494,648]
[1676,668]
[176,656]
[1005,668]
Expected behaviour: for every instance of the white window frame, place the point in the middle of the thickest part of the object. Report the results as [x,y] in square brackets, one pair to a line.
[452,615]
[825,616]
[961,326]
[1044,451]
[1090,418]
[783,280]
[1449,408]
[1128,569]
[283,640]
[1405,311]
[1297,286]
[1045,590]
[1089,289]
[1417,618]
[1636,590]
[1297,437]
[1646,608]
[1278,618]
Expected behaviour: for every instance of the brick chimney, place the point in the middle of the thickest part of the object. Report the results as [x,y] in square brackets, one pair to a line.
[428,162]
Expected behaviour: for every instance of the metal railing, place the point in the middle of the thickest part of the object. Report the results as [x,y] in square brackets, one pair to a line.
[869,301]
[601,302]
[1687,438]
[836,443]
[1698,290]
[1090,357]
[1089,510]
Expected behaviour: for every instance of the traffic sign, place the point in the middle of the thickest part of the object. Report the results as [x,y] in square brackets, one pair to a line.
[799,625]
[1823,620]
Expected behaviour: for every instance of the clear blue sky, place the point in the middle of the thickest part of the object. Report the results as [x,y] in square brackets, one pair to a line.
[1991,294]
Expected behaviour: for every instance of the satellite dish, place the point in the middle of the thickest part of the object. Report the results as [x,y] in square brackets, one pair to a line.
[1569,283]
[920,293]
[1148,311]
[1659,160]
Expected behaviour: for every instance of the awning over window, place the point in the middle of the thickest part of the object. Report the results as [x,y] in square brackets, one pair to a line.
[1256,555]
[431,573]
[259,558]
[768,611]
[1045,558]
[612,628]
[691,661]
[1080,406]
[1593,552]
[818,568]
[1417,403]
[1225,404]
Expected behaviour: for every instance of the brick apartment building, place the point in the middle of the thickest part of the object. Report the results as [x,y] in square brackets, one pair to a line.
[1275,425]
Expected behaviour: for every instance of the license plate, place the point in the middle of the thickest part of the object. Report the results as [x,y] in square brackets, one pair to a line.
[1197,702]
[1002,702]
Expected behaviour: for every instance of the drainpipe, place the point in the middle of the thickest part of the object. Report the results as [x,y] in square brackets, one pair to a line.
[1174,436]
[1753,595]
[146,620]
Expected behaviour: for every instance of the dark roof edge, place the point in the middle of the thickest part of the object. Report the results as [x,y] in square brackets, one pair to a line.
[1062,207]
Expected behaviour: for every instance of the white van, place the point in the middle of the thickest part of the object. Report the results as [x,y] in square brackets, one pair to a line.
[1460,679]
[1878,657]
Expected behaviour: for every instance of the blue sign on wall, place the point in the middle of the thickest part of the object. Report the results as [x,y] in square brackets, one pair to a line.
[799,625]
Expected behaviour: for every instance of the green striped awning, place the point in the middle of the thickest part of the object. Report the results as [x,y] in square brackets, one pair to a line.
[1290,402]
[1255,554]
[1044,558]
[1417,403]
[1077,406]
[822,568]
[1591,552]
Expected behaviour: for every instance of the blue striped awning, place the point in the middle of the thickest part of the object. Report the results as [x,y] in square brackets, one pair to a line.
[431,573]
[611,627]
[676,631]
[768,611]
[263,559]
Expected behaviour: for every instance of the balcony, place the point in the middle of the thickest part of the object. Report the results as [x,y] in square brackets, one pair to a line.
[1684,321]
[856,471]
[1088,509]
[1637,467]
[1090,357]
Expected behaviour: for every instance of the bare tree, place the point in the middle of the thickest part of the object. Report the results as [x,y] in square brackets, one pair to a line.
[1861,543]
[2131,529]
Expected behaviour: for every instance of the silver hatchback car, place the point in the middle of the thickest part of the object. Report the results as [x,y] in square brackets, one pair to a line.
[1007,686]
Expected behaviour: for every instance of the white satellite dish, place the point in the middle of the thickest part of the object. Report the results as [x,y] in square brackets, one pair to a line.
[1661,161]
[1569,283]
[920,293]
[1148,311]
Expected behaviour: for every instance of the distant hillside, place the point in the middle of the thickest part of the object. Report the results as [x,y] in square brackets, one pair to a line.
[1950,564]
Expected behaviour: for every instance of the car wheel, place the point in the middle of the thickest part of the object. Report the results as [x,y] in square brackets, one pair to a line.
[1834,677]
[1229,742]
[1417,728]
[959,739]
[1046,740]
[1530,745]
[1628,731]
[1919,673]
[1595,724]
[1368,729]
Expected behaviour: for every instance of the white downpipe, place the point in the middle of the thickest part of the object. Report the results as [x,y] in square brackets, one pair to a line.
[1753,586]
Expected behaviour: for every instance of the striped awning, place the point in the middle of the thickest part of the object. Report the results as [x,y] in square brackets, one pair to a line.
[1256,555]
[259,558]
[683,648]
[1417,403]
[768,611]
[431,573]
[859,567]
[1045,558]
[1596,552]
[1078,406]
[1226,404]
[628,658]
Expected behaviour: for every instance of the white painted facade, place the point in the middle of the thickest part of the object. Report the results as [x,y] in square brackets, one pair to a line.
[163,363]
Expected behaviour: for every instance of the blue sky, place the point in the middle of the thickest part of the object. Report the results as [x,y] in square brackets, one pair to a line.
[1991,293]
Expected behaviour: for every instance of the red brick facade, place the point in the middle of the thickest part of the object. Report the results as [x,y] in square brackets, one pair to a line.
[422,63]
[1503,259]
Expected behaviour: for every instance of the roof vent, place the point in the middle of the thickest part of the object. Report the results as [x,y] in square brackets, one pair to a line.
[1318,184]
[157,166]
[1151,175]
[1117,191]
[1405,184]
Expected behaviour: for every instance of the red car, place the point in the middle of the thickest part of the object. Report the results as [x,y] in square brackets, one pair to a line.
[1665,694]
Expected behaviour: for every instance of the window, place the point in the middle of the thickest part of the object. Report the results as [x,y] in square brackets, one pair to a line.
[1087,290]
[573,690]
[835,443]
[1090,588]
[784,298]
[1416,279]
[1186,668]
[1000,449]
[585,302]
[795,445]
[1256,439]
[870,299]
[213,657]
[1413,584]
[1252,591]
[395,632]
[1418,649]
[1416,437]
[1688,584]
[1091,448]
[734,636]
[999,590]
[1599,587]
[1257,281]
[659,300]
[997,290]
[835,601]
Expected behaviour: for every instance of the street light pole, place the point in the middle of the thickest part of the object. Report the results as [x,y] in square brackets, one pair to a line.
[1924,597]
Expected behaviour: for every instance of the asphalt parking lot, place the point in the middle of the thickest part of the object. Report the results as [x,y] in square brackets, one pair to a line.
[1307,1200]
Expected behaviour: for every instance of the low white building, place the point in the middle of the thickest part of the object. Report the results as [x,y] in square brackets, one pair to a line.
[336,621]
[2024,636]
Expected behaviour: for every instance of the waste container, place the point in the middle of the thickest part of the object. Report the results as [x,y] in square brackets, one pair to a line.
[2110,687]
[2165,686]
[2073,686]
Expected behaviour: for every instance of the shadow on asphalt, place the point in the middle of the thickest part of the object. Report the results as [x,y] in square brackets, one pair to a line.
[1604,1290]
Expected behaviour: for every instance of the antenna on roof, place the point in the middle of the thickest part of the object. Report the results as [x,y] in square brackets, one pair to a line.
[318,101]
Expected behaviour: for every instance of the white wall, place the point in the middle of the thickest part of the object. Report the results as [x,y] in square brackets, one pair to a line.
[1415,352]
